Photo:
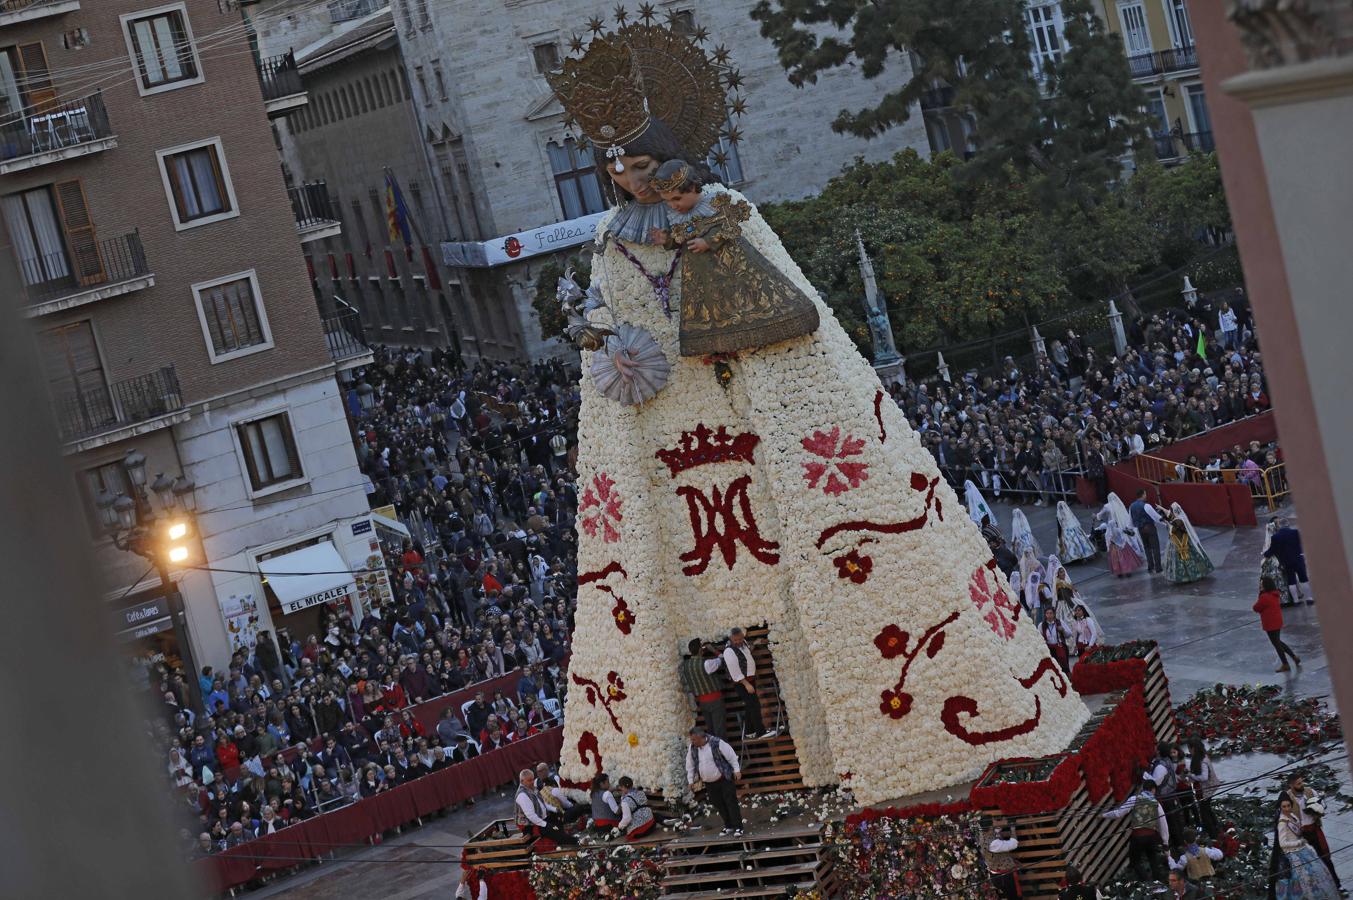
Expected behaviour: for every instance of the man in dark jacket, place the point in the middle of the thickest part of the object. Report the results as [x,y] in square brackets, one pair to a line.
[1286,546]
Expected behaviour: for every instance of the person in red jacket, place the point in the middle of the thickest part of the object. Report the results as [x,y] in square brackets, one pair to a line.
[1269,607]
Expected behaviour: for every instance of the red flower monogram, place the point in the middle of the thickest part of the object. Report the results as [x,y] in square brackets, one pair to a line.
[854,566]
[599,507]
[624,619]
[836,450]
[895,704]
[980,590]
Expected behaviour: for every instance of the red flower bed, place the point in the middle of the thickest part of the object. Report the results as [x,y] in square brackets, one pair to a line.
[1027,786]
[927,810]
[1122,742]
[1117,668]
[502,885]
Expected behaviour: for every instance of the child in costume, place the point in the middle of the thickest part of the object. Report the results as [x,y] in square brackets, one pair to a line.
[732,298]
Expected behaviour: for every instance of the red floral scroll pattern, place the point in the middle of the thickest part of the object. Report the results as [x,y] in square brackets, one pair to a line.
[599,509]
[878,415]
[892,642]
[612,692]
[720,522]
[984,592]
[957,707]
[834,468]
[621,612]
[918,483]
[587,746]
[624,619]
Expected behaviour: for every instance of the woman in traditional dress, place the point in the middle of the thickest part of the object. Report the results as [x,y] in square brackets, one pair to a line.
[777,484]
[978,510]
[1185,559]
[1029,565]
[1123,556]
[1270,567]
[1073,545]
[1114,507]
[1296,871]
[1021,535]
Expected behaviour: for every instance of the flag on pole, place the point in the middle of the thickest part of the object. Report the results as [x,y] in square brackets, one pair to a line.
[396,213]
[1202,344]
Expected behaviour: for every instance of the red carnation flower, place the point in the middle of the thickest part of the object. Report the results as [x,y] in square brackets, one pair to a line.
[891,641]
[624,619]
[854,566]
[895,703]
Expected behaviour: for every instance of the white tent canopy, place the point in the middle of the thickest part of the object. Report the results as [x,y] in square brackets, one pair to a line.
[306,577]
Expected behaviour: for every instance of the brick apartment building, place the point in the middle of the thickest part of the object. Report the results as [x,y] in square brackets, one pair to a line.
[148,238]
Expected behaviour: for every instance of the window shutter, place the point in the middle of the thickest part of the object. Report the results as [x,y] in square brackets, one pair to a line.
[247,445]
[86,258]
[40,94]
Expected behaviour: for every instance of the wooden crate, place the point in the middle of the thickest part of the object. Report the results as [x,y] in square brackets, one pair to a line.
[1159,708]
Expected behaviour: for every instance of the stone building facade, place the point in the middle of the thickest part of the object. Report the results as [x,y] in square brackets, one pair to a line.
[146,234]
[501,164]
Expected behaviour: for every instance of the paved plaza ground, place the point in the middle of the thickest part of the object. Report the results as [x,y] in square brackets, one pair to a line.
[1207,632]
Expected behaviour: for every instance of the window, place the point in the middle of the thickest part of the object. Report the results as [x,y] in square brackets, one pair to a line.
[269,450]
[1181,29]
[404,11]
[1136,35]
[161,45]
[575,177]
[1155,108]
[546,57]
[234,322]
[440,78]
[1045,31]
[729,169]
[423,85]
[424,19]
[75,377]
[111,477]
[53,236]
[683,22]
[198,184]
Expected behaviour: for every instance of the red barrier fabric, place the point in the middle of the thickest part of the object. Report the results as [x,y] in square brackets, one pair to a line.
[1262,428]
[357,822]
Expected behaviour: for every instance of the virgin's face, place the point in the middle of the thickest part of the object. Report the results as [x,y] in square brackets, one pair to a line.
[638,171]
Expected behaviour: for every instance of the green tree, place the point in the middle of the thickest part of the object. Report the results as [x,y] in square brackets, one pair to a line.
[549,313]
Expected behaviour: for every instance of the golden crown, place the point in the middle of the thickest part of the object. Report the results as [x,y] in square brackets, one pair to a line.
[623,79]
[674,183]
[604,93]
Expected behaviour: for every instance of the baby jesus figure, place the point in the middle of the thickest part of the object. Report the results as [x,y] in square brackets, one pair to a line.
[732,298]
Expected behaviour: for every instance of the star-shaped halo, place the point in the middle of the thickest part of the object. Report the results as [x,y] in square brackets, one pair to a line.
[620,15]
[647,11]
[721,55]
[575,43]
[596,25]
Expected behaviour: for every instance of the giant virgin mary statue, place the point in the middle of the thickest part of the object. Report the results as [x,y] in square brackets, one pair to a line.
[778,484]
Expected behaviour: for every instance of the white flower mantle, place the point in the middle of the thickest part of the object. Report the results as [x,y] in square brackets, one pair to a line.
[862,482]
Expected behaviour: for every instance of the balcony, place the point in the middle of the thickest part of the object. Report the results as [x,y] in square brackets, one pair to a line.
[1165,147]
[101,270]
[1199,142]
[282,87]
[13,12]
[1144,65]
[347,10]
[55,133]
[1180,59]
[343,335]
[315,218]
[122,409]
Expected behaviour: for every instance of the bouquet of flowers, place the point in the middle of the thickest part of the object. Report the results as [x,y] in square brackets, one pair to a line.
[890,858]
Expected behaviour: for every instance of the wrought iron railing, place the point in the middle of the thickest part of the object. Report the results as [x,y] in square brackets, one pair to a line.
[1179,59]
[347,10]
[280,77]
[1144,65]
[39,130]
[310,203]
[85,413]
[343,334]
[1200,141]
[1165,148]
[14,6]
[58,274]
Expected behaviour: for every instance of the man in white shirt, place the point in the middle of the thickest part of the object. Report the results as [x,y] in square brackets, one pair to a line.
[712,762]
[1000,860]
[556,797]
[741,666]
[533,814]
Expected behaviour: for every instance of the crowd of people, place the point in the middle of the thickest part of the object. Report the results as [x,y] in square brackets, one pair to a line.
[1025,432]
[480,459]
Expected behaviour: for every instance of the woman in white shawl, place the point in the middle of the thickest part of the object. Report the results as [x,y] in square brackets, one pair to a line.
[1123,557]
[1073,544]
[977,504]
[1036,594]
[1185,559]
[1029,565]
[1021,535]
[1120,515]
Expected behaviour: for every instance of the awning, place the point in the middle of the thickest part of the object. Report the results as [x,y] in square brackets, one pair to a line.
[389,524]
[311,575]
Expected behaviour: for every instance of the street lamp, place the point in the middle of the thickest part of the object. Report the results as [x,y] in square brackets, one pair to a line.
[366,396]
[132,524]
